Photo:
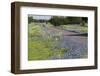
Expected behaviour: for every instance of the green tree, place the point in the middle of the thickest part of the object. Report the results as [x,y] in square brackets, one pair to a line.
[84,20]
[30,19]
[57,21]
[73,20]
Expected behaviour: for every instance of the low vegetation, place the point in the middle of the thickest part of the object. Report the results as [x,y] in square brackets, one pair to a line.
[82,29]
[42,45]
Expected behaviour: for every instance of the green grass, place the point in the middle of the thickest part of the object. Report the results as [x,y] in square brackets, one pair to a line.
[38,51]
[84,54]
[40,44]
[76,27]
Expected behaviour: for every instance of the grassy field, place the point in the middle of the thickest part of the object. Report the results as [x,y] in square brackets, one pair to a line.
[83,29]
[42,45]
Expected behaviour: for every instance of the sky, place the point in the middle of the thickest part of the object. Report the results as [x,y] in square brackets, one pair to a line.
[42,17]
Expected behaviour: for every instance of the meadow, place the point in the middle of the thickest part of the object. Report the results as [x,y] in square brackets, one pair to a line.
[42,44]
[47,44]
[81,29]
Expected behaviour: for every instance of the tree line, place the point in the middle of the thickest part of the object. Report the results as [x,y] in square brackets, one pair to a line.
[61,20]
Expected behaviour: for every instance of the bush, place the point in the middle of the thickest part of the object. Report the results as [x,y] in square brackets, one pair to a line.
[83,23]
[30,19]
[57,21]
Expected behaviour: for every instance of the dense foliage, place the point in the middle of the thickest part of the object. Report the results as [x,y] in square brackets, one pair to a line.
[61,20]
[30,19]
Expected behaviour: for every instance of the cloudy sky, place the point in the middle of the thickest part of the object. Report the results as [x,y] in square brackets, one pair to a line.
[41,17]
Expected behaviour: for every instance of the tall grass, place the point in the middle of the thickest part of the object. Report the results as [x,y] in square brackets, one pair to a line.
[43,44]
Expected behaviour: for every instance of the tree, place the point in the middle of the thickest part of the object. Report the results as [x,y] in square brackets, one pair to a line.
[73,20]
[30,19]
[84,20]
[61,20]
[57,21]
